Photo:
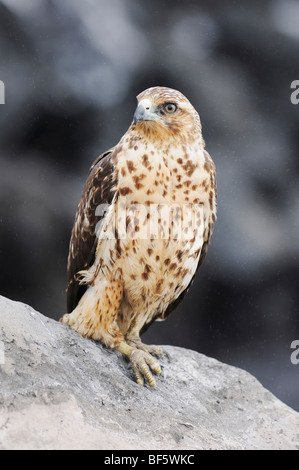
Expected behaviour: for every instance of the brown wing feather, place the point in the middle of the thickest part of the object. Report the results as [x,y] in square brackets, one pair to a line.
[99,189]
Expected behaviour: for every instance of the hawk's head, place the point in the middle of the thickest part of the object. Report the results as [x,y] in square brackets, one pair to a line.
[163,112]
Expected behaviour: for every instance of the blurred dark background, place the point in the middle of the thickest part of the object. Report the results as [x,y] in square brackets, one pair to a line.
[72,69]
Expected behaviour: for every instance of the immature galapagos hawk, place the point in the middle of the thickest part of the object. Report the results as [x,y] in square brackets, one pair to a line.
[118,285]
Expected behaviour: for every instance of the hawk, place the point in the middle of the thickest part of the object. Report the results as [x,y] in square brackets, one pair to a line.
[135,248]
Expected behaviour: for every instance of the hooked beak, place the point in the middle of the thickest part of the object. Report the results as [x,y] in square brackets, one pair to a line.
[145,112]
[139,114]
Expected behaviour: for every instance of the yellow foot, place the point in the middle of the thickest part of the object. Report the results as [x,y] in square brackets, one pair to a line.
[137,343]
[143,364]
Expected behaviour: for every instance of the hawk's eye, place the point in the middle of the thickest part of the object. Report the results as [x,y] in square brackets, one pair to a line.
[170,108]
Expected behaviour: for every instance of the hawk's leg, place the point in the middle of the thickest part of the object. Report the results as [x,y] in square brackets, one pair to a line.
[96,317]
[136,342]
[96,314]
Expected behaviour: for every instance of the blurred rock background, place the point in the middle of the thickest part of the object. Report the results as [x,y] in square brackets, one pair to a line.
[72,69]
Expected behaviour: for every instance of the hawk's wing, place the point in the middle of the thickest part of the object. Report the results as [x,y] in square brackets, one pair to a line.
[99,189]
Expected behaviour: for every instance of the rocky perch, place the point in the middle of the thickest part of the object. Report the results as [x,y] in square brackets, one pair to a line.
[60,391]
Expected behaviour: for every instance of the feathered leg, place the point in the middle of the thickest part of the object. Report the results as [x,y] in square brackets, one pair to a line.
[96,317]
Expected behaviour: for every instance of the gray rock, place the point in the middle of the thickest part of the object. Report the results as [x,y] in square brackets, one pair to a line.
[60,391]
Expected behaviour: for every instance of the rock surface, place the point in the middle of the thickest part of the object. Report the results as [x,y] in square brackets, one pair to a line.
[60,391]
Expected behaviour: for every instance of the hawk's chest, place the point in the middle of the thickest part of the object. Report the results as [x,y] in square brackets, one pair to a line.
[147,174]
[164,213]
